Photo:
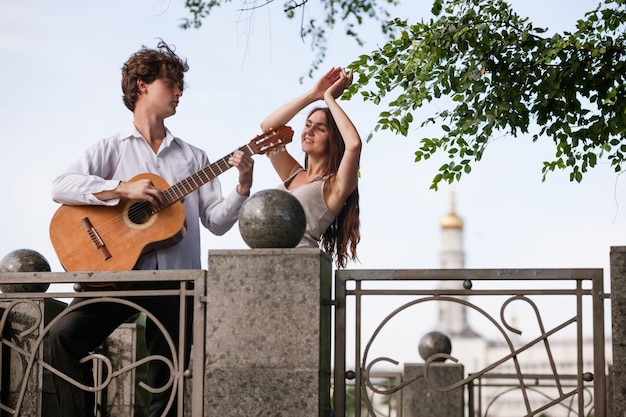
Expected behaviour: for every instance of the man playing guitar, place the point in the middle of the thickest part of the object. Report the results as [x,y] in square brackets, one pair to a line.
[152,84]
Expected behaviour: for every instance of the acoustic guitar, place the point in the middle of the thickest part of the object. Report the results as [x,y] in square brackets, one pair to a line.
[105,238]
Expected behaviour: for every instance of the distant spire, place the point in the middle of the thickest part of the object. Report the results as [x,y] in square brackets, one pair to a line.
[452,221]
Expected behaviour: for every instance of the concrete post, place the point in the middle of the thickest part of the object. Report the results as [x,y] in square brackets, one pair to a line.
[618,319]
[268,333]
[118,400]
[422,401]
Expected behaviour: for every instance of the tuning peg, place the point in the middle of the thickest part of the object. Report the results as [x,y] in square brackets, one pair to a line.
[275,150]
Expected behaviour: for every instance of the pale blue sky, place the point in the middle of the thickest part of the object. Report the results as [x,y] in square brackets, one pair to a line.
[60,74]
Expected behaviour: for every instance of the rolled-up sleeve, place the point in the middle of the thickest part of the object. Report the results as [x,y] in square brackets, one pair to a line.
[86,176]
[219,215]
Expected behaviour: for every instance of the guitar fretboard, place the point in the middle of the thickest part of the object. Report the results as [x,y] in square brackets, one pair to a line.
[195,181]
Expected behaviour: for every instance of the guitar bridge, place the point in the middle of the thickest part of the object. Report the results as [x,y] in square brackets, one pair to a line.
[95,238]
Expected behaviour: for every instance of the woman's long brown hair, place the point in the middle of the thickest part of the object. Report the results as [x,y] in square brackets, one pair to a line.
[343,235]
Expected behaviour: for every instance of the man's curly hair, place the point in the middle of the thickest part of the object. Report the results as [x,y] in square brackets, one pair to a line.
[149,65]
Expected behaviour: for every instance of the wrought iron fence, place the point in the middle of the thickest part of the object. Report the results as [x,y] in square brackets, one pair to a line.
[487,294]
[561,304]
[543,390]
[26,317]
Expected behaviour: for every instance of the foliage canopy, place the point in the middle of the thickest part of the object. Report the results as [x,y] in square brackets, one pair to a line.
[495,72]
[351,13]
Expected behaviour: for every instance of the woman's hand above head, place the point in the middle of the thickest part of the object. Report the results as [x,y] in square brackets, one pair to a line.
[343,81]
[286,112]
[324,83]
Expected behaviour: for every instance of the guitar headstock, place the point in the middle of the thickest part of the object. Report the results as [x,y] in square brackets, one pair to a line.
[273,139]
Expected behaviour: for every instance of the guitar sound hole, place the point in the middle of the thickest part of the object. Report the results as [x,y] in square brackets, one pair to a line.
[141,212]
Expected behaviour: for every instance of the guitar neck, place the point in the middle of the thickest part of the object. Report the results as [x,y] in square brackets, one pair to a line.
[195,181]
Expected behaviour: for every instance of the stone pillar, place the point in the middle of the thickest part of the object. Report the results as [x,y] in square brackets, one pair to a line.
[118,400]
[268,333]
[618,318]
[422,401]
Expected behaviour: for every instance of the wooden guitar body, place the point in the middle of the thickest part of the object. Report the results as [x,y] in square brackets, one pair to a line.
[114,238]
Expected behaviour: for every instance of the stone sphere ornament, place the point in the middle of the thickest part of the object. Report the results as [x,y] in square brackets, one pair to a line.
[272,219]
[24,260]
[432,343]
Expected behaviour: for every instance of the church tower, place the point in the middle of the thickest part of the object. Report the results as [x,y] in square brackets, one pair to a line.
[452,317]
[451,255]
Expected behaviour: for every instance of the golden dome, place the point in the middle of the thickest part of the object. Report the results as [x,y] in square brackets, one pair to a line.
[452,221]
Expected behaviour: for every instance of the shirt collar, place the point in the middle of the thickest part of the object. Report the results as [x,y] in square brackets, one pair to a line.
[131,131]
